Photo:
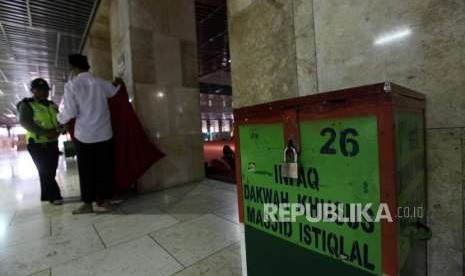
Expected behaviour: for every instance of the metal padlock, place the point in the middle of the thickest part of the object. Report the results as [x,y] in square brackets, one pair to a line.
[290,167]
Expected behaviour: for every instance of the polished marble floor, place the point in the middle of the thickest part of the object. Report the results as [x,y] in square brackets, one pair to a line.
[191,230]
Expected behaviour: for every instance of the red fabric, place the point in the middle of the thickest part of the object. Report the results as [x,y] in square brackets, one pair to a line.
[134,153]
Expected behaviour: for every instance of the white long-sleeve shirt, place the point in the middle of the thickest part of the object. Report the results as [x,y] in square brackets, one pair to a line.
[86,99]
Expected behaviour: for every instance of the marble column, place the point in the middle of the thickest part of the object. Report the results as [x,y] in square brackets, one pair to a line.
[272,50]
[98,47]
[154,50]
[286,48]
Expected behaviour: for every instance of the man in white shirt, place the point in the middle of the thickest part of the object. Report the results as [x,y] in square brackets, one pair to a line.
[86,100]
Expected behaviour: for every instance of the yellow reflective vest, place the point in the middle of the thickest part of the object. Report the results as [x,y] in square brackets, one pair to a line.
[45,117]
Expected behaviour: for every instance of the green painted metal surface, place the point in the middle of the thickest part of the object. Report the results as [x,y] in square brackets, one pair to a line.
[339,162]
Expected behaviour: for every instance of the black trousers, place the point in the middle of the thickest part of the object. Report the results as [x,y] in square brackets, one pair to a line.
[95,164]
[45,157]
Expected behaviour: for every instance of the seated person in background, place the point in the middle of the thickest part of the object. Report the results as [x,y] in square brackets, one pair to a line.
[228,156]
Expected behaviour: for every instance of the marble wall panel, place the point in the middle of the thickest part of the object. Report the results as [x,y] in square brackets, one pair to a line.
[236,6]
[184,111]
[196,167]
[445,202]
[182,23]
[152,180]
[100,61]
[101,26]
[428,59]
[183,163]
[98,45]
[151,15]
[189,64]
[153,110]
[142,56]
[119,19]
[263,53]
[431,59]
[167,50]
[345,34]
[307,75]
[121,43]
[176,163]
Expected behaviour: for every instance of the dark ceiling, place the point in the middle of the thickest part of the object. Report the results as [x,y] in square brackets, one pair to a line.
[36,37]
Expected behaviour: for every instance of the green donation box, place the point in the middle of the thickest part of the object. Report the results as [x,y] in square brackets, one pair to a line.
[333,183]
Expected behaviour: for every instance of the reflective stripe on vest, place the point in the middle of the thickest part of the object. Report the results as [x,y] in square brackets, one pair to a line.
[45,117]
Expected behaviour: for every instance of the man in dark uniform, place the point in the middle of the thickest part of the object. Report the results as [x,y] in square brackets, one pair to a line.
[38,116]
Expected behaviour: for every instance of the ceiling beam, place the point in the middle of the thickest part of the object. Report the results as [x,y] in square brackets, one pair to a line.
[57,54]
[89,24]
[8,44]
[39,29]
[13,62]
[4,33]
[3,75]
[29,16]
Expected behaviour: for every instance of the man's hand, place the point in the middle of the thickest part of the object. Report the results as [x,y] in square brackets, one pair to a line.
[52,134]
[118,81]
[62,129]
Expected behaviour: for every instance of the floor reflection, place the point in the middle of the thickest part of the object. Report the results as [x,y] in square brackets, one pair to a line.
[150,234]
[19,180]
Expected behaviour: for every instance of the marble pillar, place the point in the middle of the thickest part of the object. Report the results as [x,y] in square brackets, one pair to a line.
[154,50]
[120,43]
[98,46]
[272,50]
[282,49]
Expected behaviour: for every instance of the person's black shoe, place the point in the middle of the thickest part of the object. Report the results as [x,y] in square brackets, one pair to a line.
[57,202]
[85,208]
